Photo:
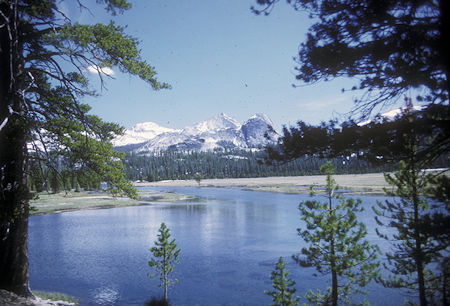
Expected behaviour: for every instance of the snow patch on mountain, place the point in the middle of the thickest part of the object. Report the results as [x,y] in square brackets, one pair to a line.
[390,115]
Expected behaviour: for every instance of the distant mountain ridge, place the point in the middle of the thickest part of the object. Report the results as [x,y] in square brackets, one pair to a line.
[141,132]
[220,131]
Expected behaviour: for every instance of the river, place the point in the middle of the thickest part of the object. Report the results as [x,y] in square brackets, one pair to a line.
[230,241]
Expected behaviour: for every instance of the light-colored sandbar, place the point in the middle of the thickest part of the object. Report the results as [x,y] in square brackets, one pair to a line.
[366,183]
[47,203]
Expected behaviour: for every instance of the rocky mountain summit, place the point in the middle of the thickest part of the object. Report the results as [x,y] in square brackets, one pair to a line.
[220,131]
[253,129]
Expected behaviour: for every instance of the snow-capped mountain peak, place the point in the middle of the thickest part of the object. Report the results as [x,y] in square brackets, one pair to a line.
[261,117]
[218,122]
[390,115]
[220,131]
[141,132]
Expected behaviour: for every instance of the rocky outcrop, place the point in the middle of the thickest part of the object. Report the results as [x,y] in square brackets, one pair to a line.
[256,129]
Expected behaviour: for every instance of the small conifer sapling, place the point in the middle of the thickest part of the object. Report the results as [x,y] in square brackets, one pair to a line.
[165,256]
[336,244]
[283,293]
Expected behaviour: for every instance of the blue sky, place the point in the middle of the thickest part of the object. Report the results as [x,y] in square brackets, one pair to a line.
[218,57]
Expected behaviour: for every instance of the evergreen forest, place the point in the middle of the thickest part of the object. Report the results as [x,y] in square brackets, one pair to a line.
[174,165]
[177,165]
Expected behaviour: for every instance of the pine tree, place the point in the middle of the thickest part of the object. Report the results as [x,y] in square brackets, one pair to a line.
[336,244]
[165,254]
[44,65]
[283,293]
[198,178]
[54,182]
[421,239]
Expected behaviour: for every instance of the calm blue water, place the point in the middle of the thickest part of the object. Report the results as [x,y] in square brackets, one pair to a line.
[230,242]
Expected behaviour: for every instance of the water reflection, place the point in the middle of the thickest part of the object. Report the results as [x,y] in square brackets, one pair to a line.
[105,296]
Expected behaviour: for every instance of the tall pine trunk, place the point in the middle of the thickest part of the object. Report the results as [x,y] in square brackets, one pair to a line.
[418,256]
[165,265]
[14,257]
[14,207]
[334,279]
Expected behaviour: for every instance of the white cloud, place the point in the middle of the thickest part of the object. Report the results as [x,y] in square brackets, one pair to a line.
[96,69]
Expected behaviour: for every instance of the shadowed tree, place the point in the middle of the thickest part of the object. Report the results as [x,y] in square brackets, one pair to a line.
[379,141]
[418,258]
[336,244]
[44,61]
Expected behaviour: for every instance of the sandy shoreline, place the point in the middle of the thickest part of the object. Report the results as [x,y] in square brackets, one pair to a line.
[361,183]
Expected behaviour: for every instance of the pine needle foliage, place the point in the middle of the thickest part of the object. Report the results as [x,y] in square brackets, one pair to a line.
[336,244]
[283,293]
[389,47]
[418,259]
[165,254]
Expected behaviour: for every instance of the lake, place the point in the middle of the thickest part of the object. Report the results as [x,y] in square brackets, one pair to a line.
[230,241]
